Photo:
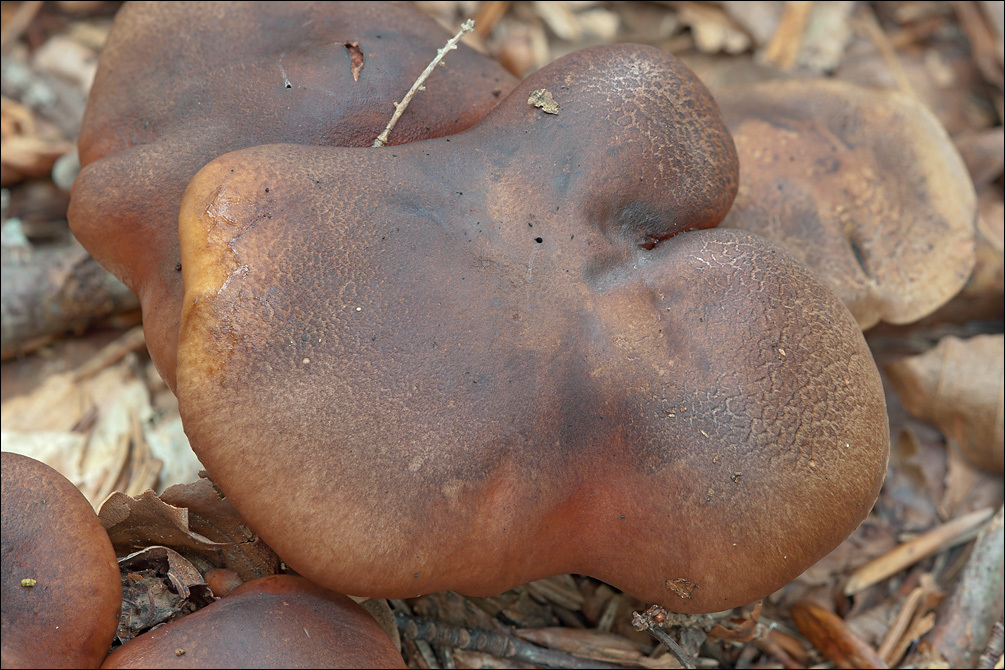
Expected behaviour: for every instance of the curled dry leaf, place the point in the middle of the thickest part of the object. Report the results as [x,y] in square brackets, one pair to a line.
[193,520]
[958,386]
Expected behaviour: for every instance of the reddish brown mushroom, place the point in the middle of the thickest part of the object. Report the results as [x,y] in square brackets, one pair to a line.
[181,83]
[472,362]
[61,590]
[864,187]
[272,622]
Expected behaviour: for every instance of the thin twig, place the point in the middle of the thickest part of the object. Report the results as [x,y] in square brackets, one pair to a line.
[948,535]
[650,621]
[400,107]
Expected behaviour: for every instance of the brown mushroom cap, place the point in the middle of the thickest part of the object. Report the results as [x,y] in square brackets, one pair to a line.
[472,362]
[864,187]
[181,83]
[66,615]
[272,622]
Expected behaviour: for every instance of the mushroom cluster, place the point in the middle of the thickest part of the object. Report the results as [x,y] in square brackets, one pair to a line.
[483,356]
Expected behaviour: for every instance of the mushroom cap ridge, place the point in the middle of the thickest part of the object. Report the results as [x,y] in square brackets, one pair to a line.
[472,362]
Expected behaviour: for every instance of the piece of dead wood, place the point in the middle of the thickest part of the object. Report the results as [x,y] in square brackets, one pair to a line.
[51,290]
[831,635]
[493,643]
[914,619]
[591,644]
[653,621]
[783,49]
[993,650]
[965,619]
[785,648]
[940,538]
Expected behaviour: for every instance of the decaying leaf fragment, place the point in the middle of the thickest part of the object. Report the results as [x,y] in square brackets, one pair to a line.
[543,100]
[958,387]
[193,520]
[158,584]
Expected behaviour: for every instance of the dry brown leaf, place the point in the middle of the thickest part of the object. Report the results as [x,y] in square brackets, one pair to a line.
[988,277]
[193,520]
[137,523]
[968,487]
[981,151]
[107,410]
[914,480]
[958,386]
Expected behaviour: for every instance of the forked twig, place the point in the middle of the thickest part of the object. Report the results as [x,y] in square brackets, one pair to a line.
[650,621]
[399,107]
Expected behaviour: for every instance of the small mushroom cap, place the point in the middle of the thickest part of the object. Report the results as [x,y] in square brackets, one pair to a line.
[61,588]
[180,83]
[472,362]
[864,187]
[280,621]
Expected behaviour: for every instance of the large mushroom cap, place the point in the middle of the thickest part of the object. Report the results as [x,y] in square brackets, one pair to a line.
[864,187]
[61,590]
[273,622]
[472,362]
[180,83]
